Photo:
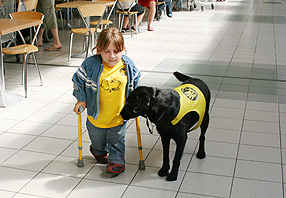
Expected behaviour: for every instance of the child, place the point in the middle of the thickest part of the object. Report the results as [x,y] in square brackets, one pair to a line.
[101,85]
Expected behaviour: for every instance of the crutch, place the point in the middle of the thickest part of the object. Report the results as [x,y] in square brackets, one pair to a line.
[80,160]
[141,161]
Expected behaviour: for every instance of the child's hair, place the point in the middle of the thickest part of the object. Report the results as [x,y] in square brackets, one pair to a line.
[107,36]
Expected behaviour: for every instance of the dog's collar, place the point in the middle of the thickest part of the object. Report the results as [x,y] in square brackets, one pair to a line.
[147,121]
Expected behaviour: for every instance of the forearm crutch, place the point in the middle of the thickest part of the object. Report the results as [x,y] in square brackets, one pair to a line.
[141,161]
[80,160]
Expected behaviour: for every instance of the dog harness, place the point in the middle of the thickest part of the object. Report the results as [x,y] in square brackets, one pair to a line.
[191,99]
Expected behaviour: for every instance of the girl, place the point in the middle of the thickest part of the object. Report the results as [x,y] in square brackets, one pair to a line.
[101,85]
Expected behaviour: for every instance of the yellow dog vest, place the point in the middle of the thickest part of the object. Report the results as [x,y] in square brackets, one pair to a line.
[191,99]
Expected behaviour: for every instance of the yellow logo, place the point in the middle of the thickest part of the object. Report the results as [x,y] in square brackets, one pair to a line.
[110,85]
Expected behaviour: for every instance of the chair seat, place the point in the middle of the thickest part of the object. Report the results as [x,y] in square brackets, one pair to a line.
[20,49]
[102,22]
[84,30]
[125,12]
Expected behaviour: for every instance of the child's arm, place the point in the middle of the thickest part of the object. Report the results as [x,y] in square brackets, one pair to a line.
[78,105]
[79,79]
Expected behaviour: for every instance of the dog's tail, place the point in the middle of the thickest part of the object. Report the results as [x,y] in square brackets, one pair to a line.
[181,77]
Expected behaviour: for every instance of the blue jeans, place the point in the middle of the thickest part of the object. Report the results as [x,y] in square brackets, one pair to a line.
[108,140]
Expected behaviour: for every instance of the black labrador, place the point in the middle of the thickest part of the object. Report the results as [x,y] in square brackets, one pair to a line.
[164,108]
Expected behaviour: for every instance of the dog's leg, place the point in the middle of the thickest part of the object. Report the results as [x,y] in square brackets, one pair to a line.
[201,152]
[164,171]
[180,144]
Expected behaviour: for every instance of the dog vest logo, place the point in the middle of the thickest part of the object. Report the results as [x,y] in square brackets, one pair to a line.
[190,93]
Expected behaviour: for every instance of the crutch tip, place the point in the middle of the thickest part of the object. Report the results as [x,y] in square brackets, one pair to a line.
[80,163]
[141,165]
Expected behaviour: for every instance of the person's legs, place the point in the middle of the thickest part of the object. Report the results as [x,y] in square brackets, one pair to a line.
[152,12]
[40,36]
[169,8]
[139,19]
[125,22]
[98,139]
[57,42]
[116,144]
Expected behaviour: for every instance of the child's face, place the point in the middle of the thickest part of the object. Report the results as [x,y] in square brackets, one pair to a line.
[111,55]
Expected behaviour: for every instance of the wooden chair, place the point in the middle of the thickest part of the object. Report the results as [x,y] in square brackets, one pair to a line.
[29,5]
[26,49]
[105,22]
[87,10]
[127,13]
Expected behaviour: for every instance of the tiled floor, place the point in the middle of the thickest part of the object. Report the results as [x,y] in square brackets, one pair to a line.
[238,49]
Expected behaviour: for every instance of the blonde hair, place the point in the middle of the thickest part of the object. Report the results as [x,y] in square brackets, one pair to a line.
[107,36]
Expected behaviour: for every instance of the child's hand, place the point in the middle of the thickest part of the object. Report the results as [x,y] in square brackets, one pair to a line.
[78,105]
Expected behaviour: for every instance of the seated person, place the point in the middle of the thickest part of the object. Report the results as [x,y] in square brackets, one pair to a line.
[168,7]
[151,5]
[126,5]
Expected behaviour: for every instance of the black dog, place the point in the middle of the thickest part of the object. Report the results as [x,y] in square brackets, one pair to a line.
[162,106]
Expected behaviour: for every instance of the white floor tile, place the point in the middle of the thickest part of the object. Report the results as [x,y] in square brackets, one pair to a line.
[213,165]
[30,128]
[50,185]
[211,185]
[254,188]
[48,145]
[29,160]
[261,154]
[67,166]
[14,179]
[91,188]
[259,171]
[15,141]
[140,192]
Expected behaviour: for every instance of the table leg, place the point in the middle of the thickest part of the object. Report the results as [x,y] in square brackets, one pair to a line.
[2,78]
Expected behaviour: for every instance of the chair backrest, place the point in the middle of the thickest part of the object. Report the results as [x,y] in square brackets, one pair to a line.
[28,15]
[25,5]
[111,5]
[94,9]
[124,3]
[88,10]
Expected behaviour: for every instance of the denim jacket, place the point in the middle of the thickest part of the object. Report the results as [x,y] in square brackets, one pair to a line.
[86,81]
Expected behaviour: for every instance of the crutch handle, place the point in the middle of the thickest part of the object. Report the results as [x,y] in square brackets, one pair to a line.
[80,109]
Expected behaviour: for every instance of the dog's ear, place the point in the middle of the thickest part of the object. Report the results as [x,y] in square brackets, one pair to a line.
[181,77]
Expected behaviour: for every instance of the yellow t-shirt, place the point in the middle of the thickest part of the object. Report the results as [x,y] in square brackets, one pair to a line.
[112,96]
[191,99]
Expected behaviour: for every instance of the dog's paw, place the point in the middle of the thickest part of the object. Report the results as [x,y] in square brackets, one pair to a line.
[201,155]
[163,172]
[172,177]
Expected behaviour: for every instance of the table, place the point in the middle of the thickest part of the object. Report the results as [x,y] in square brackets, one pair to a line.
[75,4]
[8,26]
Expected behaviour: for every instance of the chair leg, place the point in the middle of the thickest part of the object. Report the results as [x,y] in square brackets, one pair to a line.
[87,45]
[137,25]
[25,73]
[37,67]
[130,24]
[70,47]
[62,21]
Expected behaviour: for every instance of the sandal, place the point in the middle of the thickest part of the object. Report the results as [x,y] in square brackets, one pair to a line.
[53,48]
[150,29]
